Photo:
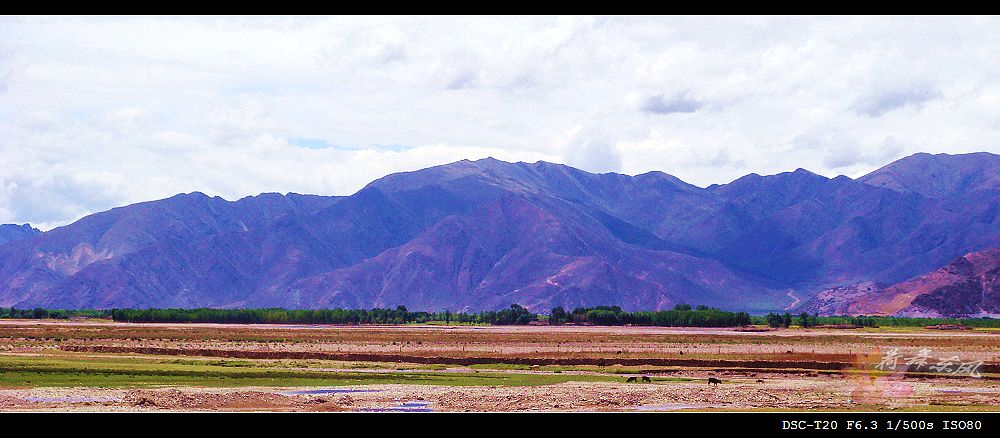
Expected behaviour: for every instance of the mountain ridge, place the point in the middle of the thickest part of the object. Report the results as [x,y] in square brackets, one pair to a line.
[561,236]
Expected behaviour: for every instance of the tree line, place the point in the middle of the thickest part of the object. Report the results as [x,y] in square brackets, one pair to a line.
[400,315]
[806,320]
[40,313]
[682,315]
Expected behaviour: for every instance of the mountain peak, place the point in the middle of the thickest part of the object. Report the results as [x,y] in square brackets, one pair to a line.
[938,175]
[12,232]
[796,180]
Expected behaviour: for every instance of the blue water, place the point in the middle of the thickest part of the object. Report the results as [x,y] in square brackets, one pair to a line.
[413,406]
[72,399]
[329,391]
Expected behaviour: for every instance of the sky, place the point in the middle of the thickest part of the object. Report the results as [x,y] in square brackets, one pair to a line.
[100,112]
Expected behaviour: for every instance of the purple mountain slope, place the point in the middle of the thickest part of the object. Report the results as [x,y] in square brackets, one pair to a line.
[485,234]
[528,251]
[11,232]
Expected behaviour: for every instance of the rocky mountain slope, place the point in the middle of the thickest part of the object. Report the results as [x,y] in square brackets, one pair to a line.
[969,286]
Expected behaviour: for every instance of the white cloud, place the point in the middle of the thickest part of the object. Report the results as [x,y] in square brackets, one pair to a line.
[595,154]
[882,102]
[660,104]
[690,162]
[98,112]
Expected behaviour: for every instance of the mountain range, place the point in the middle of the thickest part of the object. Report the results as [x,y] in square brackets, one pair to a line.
[474,235]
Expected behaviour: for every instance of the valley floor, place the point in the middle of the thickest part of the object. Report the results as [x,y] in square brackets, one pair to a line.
[106,366]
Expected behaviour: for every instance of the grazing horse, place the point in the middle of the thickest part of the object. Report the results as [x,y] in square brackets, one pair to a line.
[713,380]
[630,379]
[646,379]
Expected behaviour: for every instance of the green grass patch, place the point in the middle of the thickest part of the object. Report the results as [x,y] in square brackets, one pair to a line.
[219,363]
[585,368]
[47,371]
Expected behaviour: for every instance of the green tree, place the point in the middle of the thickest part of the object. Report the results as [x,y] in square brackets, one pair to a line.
[804,320]
[558,315]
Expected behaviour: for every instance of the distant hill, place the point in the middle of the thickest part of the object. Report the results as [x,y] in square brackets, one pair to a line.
[485,234]
[969,286]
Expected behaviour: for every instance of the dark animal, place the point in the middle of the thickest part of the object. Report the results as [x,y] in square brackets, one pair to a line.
[646,379]
[713,380]
[630,379]
[760,380]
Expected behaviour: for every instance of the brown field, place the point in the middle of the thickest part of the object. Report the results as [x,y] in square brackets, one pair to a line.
[100,365]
